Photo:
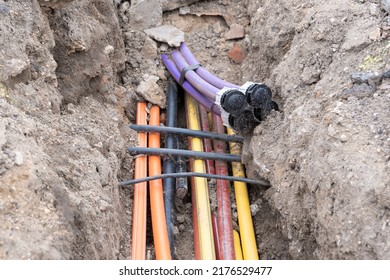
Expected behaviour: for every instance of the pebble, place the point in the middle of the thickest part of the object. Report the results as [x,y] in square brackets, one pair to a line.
[166,33]
[184,10]
[254,209]
[365,77]
[151,91]
[236,32]
[164,47]
[18,158]
[145,14]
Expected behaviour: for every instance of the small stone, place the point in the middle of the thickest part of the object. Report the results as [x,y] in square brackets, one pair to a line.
[108,49]
[184,10]
[236,32]
[164,47]
[343,138]
[18,158]
[149,49]
[385,4]
[15,66]
[375,35]
[310,75]
[181,218]
[359,91]
[254,209]
[237,53]
[217,27]
[166,33]
[365,77]
[145,14]
[151,91]
[124,7]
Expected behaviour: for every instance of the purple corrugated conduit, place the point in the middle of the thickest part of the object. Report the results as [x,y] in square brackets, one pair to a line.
[201,85]
[206,102]
[202,72]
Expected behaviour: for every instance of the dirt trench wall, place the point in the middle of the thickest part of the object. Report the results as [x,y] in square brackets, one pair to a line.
[62,130]
[326,153]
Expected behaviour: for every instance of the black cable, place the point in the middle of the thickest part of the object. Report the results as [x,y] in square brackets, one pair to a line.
[169,165]
[263,183]
[184,153]
[188,132]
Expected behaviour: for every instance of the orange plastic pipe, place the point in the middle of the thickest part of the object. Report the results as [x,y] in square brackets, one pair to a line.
[138,235]
[159,224]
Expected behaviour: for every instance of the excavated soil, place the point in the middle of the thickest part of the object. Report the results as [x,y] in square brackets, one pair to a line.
[72,71]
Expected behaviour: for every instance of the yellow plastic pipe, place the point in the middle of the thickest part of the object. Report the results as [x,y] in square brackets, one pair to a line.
[237,245]
[205,229]
[245,223]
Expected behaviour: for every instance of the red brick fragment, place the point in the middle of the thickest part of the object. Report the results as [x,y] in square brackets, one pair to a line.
[237,53]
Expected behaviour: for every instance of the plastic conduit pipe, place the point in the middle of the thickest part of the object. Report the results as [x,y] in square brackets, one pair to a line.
[225,227]
[159,225]
[206,102]
[195,80]
[237,246]
[205,232]
[245,223]
[202,72]
[138,236]
[216,236]
[207,145]
[169,165]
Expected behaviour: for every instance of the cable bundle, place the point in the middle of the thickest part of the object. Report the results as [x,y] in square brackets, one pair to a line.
[240,107]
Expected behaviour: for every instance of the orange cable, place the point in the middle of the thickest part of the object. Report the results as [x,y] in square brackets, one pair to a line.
[159,224]
[140,193]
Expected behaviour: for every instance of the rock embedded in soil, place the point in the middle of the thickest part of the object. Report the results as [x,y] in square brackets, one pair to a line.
[145,14]
[151,91]
[167,34]
[236,32]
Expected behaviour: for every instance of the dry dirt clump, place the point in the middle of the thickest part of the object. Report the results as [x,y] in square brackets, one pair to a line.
[71,73]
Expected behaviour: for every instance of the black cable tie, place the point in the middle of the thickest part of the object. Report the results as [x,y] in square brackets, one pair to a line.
[185,70]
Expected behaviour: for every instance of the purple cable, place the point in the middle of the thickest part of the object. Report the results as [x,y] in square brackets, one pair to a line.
[206,102]
[197,82]
[202,72]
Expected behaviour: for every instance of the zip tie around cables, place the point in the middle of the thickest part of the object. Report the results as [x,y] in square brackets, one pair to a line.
[184,153]
[188,132]
[185,70]
[196,174]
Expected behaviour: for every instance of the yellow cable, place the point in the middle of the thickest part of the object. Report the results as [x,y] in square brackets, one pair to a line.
[201,188]
[248,240]
[237,245]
